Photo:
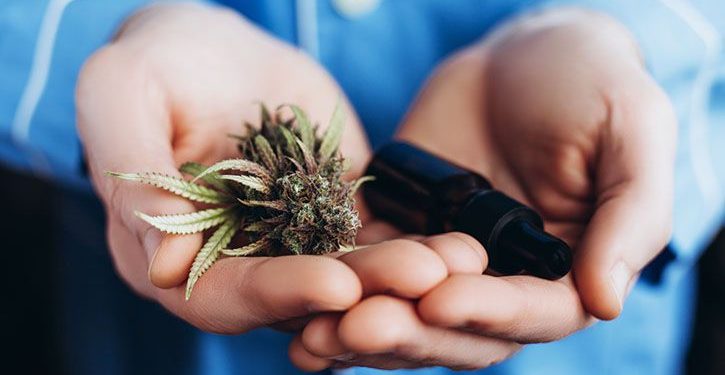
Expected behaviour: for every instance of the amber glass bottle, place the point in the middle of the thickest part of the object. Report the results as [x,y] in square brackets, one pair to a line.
[421,193]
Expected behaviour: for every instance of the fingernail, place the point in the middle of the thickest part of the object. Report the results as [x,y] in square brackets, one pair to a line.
[151,241]
[620,276]
[472,243]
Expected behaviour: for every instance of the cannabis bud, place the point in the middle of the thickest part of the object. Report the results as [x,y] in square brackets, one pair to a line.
[285,195]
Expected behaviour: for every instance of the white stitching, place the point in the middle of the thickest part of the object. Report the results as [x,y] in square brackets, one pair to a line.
[36,83]
[700,155]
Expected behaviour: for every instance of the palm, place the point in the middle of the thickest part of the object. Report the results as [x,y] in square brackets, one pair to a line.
[544,163]
[564,131]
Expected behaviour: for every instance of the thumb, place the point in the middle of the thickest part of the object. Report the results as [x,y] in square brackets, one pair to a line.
[124,123]
[634,183]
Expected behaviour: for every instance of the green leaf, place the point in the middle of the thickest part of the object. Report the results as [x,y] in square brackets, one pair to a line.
[279,219]
[209,253]
[251,182]
[310,162]
[290,142]
[195,169]
[253,248]
[297,164]
[266,153]
[333,134]
[259,226]
[178,186]
[242,165]
[277,205]
[193,222]
[357,183]
[307,132]
[346,248]
[264,113]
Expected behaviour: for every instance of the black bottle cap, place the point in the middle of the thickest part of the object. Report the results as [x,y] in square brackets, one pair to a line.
[542,254]
[514,238]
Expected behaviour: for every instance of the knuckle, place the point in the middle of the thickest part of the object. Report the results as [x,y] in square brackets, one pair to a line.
[95,66]
[101,69]
[447,304]
[415,250]
[337,285]
[319,337]
[418,253]
[361,330]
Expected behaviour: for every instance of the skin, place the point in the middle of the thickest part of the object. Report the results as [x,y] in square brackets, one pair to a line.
[172,84]
[558,110]
[599,139]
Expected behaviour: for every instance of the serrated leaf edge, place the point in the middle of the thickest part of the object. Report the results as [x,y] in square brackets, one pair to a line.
[209,253]
[189,223]
[175,185]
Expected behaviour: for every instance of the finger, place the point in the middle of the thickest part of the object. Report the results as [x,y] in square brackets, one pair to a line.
[375,231]
[320,337]
[632,220]
[408,268]
[304,360]
[383,325]
[401,267]
[238,294]
[172,258]
[308,361]
[520,308]
[460,252]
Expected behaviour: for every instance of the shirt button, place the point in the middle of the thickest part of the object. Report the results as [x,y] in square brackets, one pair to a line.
[353,9]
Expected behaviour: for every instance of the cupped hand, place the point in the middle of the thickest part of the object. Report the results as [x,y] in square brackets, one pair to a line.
[559,112]
[171,86]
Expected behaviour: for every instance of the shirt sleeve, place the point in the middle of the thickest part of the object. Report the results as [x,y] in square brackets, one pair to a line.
[43,45]
[682,44]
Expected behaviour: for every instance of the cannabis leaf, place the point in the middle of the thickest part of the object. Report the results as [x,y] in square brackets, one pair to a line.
[209,253]
[359,182]
[333,134]
[195,169]
[178,186]
[275,205]
[248,181]
[250,249]
[290,143]
[266,153]
[193,222]
[307,132]
[241,165]
[284,192]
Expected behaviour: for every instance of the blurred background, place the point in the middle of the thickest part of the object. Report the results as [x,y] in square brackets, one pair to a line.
[33,308]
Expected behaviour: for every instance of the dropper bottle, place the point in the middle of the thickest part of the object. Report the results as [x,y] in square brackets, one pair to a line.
[421,193]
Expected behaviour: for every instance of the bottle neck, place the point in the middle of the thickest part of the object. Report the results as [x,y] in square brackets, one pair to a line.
[540,253]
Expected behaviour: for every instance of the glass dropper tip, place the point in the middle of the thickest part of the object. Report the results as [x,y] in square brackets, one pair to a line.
[541,254]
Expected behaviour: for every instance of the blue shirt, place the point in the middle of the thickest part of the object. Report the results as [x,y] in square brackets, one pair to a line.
[381,59]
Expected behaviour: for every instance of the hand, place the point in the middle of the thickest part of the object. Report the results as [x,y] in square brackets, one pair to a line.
[170,88]
[558,111]
[384,330]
